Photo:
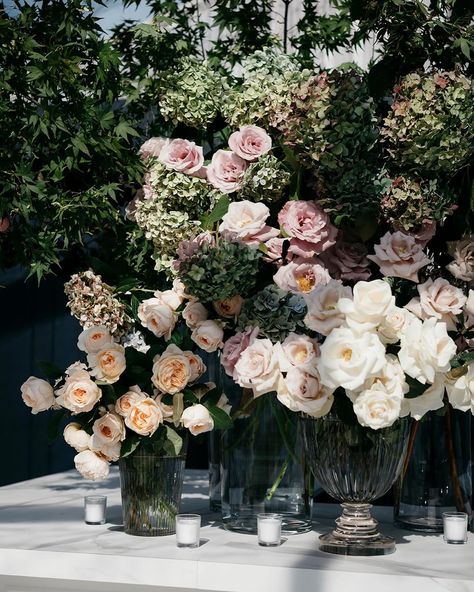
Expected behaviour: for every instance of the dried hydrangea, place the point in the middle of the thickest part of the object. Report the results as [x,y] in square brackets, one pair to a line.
[265,179]
[192,94]
[219,271]
[276,312]
[92,302]
[407,204]
[431,123]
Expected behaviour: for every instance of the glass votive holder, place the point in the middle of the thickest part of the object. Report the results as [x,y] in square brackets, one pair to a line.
[94,509]
[455,528]
[188,529]
[269,530]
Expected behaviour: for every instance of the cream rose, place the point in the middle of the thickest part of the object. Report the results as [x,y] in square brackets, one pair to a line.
[37,394]
[171,371]
[145,417]
[258,368]
[348,358]
[91,466]
[298,351]
[393,326]
[167,410]
[430,400]
[197,419]
[426,349]
[246,221]
[371,303]
[196,364]
[76,437]
[324,313]
[208,335]
[250,142]
[194,313]
[376,409]
[79,393]
[170,297]
[124,404]
[108,363]
[109,452]
[94,339]
[390,378]
[157,316]
[300,391]
[108,429]
[230,307]
[460,389]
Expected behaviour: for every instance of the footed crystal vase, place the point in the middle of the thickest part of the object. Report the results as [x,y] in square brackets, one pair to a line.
[355,465]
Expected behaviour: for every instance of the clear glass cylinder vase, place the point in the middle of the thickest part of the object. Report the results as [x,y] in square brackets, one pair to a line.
[263,464]
[355,465]
[151,487]
[437,474]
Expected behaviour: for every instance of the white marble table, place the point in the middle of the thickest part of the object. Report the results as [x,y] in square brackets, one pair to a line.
[45,546]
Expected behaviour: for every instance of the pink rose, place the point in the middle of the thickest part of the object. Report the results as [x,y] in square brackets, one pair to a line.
[399,255]
[424,233]
[226,171]
[324,313]
[438,299]
[194,312]
[234,346]
[301,276]
[4,224]
[462,266]
[152,147]
[274,251]
[250,142]
[347,261]
[182,155]
[246,220]
[301,391]
[258,368]
[308,226]
[299,351]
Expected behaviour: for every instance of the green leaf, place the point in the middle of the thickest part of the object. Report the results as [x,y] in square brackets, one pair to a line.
[129,445]
[173,443]
[178,407]
[221,420]
[123,130]
[53,425]
[220,209]
[79,144]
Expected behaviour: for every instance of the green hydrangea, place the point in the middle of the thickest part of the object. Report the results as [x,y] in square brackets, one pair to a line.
[407,203]
[192,94]
[216,272]
[431,123]
[176,191]
[276,312]
[265,179]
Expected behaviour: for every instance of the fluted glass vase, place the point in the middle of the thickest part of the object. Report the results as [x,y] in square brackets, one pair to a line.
[151,487]
[355,465]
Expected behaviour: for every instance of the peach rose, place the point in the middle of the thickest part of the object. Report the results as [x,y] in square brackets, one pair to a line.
[194,313]
[171,371]
[108,429]
[108,363]
[246,221]
[230,307]
[250,142]
[301,276]
[196,364]
[170,297]
[399,255]
[94,339]
[91,466]
[124,404]
[438,299]
[37,394]
[145,417]
[182,155]
[157,316]
[197,419]
[167,410]
[226,171]
[299,351]
[79,393]
[76,437]
[208,335]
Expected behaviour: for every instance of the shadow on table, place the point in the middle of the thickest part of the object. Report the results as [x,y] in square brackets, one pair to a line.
[77,481]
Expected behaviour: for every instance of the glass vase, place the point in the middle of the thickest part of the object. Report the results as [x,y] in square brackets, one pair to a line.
[355,465]
[437,474]
[263,464]
[151,487]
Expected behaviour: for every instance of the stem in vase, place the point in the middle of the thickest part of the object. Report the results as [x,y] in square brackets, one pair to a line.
[457,491]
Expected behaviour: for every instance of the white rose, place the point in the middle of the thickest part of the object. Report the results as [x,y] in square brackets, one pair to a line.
[108,429]
[91,466]
[371,303]
[430,400]
[196,365]
[124,404]
[108,451]
[394,325]
[108,363]
[299,351]
[258,368]
[324,314]
[194,313]
[426,349]
[208,335]
[349,358]
[376,409]
[197,419]
[172,370]
[76,437]
[390,377]
[461,390]
[145,417]
[37,394]
[94,339]
[170,297]
[300,391]
[79,393]
[157,316]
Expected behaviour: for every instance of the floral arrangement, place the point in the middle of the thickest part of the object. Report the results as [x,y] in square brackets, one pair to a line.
[138,388]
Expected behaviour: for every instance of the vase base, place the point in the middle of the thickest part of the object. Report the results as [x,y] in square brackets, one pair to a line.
[248,524]
[419,523]
[150,532]
[381,545]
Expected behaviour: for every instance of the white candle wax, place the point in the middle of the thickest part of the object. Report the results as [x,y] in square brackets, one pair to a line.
[269,531]
[455,529]
[94,511]
[188,531]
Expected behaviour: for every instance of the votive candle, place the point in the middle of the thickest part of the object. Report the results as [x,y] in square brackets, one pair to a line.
[455,528]
[269,529]
[94,509]
[188,528]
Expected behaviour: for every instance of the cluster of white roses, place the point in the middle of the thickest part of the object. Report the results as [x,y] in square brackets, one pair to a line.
[358,326]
